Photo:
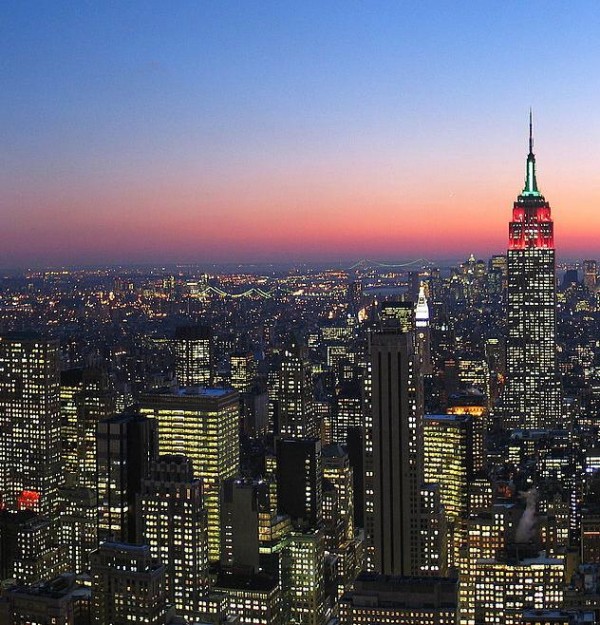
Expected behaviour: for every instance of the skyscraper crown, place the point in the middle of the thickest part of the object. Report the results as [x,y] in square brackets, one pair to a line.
[530,188]
[531,225]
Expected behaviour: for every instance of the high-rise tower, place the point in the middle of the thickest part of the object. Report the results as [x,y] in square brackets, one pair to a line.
[194,355]
[532,398]
[393,468]
[30,468]
[423,342]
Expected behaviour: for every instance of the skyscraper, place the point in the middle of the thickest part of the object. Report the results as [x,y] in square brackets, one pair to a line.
[126,446]
[202,424]
[194,355]
[30,467]
[172,521]
[397,409]
[295,394]
[532,398]
[590,275]
[86,398]
[448,459]
[299,480]
[423,343]
[128,585]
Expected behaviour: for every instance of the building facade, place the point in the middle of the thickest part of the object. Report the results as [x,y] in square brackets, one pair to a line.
[532,397]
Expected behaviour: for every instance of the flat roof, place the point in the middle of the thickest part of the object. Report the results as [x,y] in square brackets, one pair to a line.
[192,391]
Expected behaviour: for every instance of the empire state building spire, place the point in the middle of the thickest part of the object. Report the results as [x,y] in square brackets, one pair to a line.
[531,188]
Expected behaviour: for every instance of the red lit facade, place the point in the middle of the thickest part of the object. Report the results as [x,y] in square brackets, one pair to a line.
[531,225]
[28,500]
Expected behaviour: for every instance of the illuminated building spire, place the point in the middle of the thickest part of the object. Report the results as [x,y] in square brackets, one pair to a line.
[532,397]
[530,180]
[422,309]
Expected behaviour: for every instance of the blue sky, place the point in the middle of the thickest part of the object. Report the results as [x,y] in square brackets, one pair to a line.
[115,114]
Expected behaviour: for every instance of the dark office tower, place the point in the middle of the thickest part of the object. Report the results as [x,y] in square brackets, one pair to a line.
[338,472]
[71,385]
[295,395]
[171,519]
[348,411]
[96,402]
[128,586]
[28,552]
[30,468]
[355,448]
[86,398]
[590,275]
[194,355]
[495,355]
[299,480]
[532,398]
[242,502]
[396,468]
[473,403]
[399,315]
[126,445]
[496,278]
[354,297]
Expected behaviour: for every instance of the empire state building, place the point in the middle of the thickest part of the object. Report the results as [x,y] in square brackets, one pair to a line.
[532,396]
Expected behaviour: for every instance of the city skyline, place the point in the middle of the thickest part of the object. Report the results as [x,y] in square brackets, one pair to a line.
[249,133]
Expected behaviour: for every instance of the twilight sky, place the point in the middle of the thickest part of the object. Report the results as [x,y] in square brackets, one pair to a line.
[265,130]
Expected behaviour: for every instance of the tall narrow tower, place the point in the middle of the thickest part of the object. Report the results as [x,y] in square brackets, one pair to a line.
[532,398]
[423,343]
[394,468]
[30,467]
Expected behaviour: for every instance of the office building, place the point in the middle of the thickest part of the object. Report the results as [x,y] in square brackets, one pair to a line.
[590,275]
[296,416]
[395,472]
[128,586]
[254,598]
[506,587]
[78,526]
[126,446]
[473,402]
[243,371]
[202,424]
[299,481]
[60,601]
[86,398]
[389,600]
[448,460]
[243,502]
[30,463]
[171,520]
[303,577]
[348,413]
[337,471]
[194,355]
[532,396]
[29,552]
